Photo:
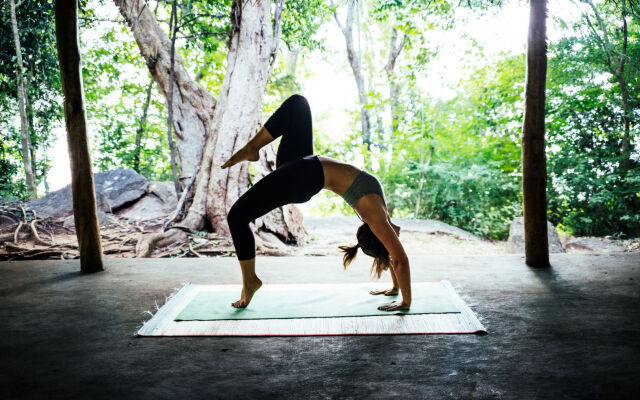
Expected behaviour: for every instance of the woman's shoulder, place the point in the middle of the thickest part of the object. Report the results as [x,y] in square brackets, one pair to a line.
[371,208]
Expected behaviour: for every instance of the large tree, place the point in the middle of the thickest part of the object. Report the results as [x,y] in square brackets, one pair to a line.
[209,130]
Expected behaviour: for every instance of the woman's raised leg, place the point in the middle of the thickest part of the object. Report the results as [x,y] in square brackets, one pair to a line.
[250,151]
[292,121]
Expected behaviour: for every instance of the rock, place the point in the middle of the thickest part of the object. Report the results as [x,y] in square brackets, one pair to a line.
[159,202]
[515,244]
[593,245]
[271,240]
[120,186]
[281,220]
[166,192]
[113,190]
[336,226]
[293,217]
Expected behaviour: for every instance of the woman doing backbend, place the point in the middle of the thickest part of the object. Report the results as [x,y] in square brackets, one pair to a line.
[298,176]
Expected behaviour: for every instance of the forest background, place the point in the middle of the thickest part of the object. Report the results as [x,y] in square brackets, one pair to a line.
[434,107]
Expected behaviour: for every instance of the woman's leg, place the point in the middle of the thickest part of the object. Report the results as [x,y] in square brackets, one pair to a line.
[250,283]
[292,121]
[296,182]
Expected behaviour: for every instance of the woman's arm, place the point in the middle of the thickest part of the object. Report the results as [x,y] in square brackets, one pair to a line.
[379,224]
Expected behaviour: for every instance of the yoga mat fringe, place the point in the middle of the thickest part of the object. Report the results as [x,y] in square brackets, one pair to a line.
[152,314]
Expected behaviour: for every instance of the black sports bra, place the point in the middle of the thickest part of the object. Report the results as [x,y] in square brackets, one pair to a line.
[365,183]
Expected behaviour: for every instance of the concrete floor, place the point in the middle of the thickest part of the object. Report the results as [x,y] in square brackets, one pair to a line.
[569,332]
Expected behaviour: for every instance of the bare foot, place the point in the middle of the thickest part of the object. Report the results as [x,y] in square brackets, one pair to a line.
[248,290]
[244,154]
[388,292]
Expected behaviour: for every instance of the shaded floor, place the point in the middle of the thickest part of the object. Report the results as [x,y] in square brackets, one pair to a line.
[569,332]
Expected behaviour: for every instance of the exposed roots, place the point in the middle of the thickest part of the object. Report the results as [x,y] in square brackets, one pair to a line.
[25,236]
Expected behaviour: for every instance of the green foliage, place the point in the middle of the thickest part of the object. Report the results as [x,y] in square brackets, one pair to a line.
[464,150]
[589,192]
[301,20]
[115,81]
[37,39]
[11,189]
[479,198]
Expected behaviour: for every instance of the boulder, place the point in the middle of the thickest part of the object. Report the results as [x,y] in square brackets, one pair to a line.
[515,243]
[592,245]
[160,201]
[343,225]
[281,220]
[166,192]
[113,190]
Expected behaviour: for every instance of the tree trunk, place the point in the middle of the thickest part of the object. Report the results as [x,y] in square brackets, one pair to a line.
[141,128]
[173,28]
[85,213]
[226,124]
[534,169]
[241,92]
[395,48]
[355,61]
[424,164]
[30,125]
[292,60]
[626,109]
[24,128]
[193,107]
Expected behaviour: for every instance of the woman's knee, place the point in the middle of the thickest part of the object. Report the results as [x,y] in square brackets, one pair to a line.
[235,218]
[297,100]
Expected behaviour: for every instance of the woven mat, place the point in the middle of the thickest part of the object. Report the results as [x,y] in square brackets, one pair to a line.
[279,310]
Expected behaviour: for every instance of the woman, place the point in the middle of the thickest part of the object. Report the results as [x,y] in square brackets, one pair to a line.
[299,175]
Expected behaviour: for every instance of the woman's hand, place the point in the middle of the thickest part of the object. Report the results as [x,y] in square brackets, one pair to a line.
[389,292]
[395,306]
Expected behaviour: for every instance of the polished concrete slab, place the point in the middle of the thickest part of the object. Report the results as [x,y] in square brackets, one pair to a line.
[572,331]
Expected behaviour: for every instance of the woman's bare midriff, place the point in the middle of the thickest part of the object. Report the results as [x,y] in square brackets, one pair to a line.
[338,176]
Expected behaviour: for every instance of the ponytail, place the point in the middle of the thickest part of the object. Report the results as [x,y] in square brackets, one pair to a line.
[349,254]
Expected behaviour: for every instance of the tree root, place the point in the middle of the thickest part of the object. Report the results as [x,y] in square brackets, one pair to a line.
[17,231]
[147,244]
[181,202]
[49,238]
[195,253]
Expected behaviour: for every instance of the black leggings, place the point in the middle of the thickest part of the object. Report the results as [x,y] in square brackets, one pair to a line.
[297,178]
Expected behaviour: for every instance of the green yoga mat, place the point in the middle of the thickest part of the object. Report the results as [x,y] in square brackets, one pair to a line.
[311,301]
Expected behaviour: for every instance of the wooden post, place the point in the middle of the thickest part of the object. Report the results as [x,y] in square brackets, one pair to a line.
[85,214]
[534,168]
